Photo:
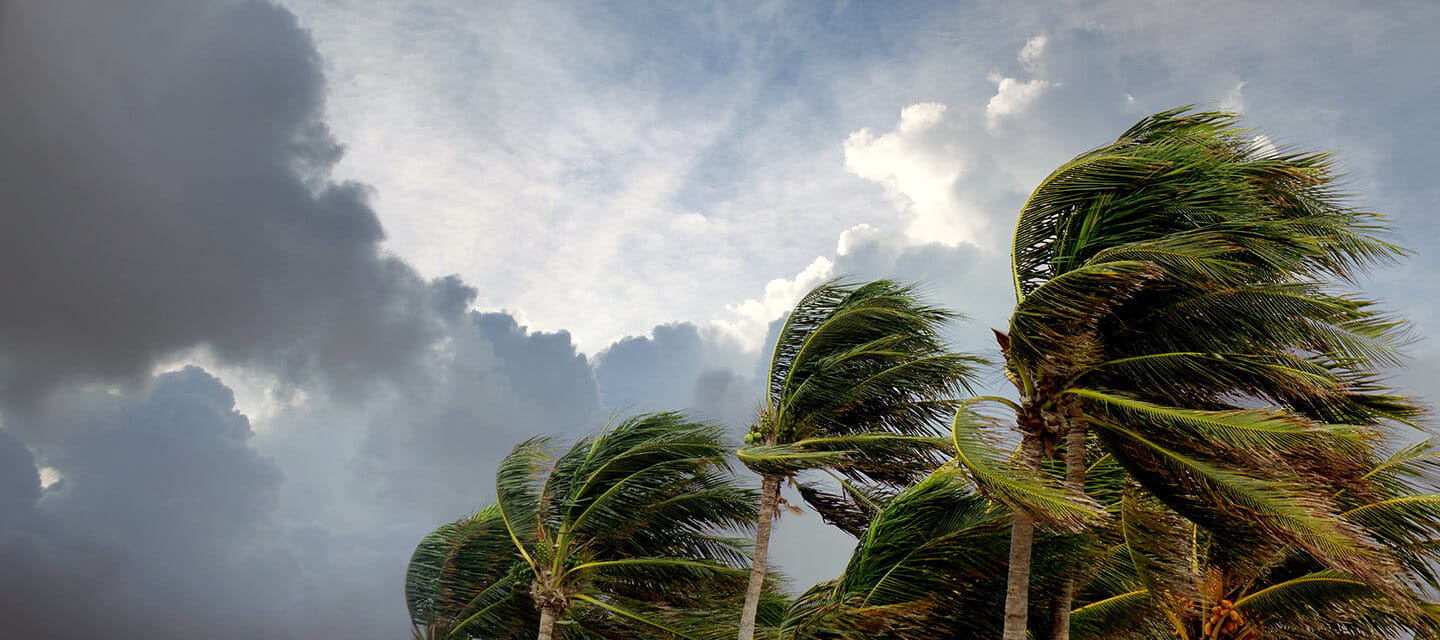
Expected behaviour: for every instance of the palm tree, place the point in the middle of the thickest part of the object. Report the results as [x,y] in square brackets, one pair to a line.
[1177,305]
[620,537]
[858,380]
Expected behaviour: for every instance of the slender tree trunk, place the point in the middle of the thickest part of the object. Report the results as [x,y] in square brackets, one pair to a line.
[769,497]
[547,623]
[1022,539]
[1075,483]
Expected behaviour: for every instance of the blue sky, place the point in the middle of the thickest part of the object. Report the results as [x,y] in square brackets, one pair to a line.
[283,281]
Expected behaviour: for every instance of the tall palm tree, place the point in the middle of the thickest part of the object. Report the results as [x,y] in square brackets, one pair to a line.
[1177,304]
[619,537]
[859,379]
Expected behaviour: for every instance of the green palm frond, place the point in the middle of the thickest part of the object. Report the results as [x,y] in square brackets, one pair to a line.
[1253,430]
[853,454]
[925,566]
[1249,319]
[1066,308]
[1183,291]
[860,381]
[458,570]
[1334,604]
[627,527]
[1126,616]
[518,497]
[1238,505]
[1000,479]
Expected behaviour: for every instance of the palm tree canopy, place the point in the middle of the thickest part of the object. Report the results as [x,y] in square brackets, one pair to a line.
[1180,294]
[859,382]
[624,531]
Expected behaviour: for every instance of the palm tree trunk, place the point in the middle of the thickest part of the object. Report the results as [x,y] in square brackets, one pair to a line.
[547,623]
[769,497]
[1075,483]
[1022,538]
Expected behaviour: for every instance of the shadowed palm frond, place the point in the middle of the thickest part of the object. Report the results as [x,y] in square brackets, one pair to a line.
[622,536]
[927,565]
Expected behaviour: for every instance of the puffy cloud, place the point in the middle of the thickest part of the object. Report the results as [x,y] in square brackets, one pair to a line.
[161,521]
[780,295]
[919,164]
[680,366]
[430,445]
[1011,98]
[170,470]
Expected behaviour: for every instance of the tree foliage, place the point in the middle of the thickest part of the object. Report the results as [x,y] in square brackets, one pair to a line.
[621,536]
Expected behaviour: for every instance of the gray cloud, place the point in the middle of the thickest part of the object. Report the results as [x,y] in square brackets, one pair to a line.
[430,446]
[160,523]
[673,367]
[167,187]
[170,471]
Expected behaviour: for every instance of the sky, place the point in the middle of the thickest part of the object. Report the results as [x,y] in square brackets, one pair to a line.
[280,282]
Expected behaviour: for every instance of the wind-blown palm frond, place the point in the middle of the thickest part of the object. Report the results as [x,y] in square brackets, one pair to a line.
[1181,291]
[926,564]
[1193,578]
[621,536]
[459,570]
[1002,481]
[859,383]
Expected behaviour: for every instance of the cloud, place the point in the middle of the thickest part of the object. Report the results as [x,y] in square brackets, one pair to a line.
[429,447]
[1234,100]
[170,471]
[1011,98]
[168,187]
[919,164]
[175,194]
[780,295]
[682,366]
[1030,53]
[160,522]
[19,477]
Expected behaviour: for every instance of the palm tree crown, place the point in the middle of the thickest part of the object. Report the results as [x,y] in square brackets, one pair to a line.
[858,383]
[620,536]
[1177,296]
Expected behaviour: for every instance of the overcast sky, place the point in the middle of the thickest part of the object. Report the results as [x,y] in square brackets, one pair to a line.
[280,283]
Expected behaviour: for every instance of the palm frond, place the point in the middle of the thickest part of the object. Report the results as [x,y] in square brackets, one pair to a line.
[1005,482]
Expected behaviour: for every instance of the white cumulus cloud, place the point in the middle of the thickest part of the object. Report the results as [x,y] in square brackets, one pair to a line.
[918,164]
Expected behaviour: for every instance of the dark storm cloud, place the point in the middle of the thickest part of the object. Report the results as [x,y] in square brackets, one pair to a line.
[170,471]
[164,178]
[165,185]
[172,519]
[155,527]
[19,478]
